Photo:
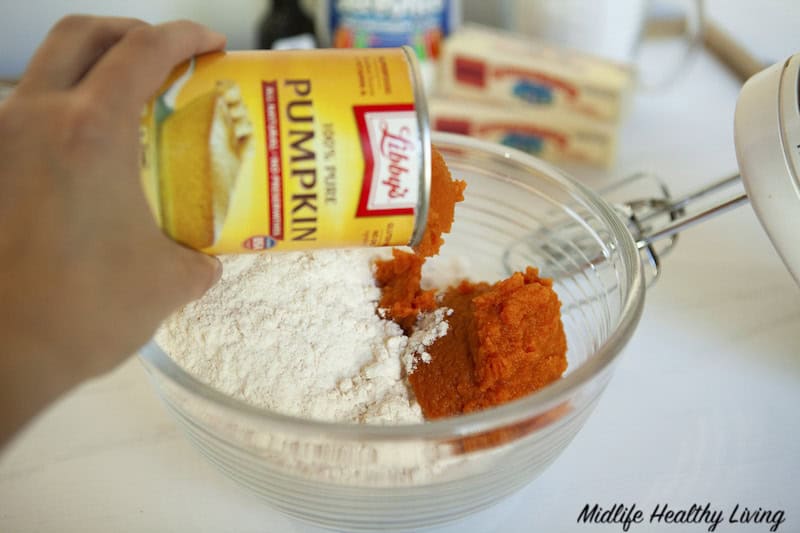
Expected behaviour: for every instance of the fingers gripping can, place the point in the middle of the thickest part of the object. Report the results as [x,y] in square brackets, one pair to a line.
[249,151]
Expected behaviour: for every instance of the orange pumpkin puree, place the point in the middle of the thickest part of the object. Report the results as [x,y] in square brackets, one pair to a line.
[399,278]
[503,341]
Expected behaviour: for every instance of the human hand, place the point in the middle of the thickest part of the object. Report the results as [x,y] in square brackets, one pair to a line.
[87,274]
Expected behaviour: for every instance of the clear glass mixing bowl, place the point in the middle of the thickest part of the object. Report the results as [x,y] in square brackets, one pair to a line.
[518,211]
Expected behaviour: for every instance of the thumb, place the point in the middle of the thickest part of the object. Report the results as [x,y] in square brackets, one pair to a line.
[194,273]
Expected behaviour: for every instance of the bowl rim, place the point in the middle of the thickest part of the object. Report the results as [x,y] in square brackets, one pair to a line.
[156,361]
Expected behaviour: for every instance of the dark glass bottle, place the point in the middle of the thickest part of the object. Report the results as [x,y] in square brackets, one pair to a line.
[286,26]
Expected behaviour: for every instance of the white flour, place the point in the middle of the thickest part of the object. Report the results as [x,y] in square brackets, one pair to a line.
[298,333]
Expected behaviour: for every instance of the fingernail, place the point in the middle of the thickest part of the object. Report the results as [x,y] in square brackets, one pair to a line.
[219,35]
[217,266]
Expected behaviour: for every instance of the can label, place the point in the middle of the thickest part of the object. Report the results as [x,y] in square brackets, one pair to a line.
[421,24]
[248,151]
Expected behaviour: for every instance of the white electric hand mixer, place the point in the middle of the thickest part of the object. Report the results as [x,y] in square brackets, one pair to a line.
[767,133]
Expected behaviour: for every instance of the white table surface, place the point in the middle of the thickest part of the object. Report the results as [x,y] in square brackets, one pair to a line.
[704,406]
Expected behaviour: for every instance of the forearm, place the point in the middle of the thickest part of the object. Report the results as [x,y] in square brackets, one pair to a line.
[87,274]
[31,377]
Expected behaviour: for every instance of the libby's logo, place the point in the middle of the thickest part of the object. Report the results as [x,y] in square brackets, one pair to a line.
[392,161]
[395,148]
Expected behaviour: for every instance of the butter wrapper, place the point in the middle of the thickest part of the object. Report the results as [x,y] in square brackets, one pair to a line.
[550,133]
[480,62]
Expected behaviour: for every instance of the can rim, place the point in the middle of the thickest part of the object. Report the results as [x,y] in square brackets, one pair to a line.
[421,108]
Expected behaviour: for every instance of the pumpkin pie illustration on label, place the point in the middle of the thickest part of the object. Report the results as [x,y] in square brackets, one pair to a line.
[204,146]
